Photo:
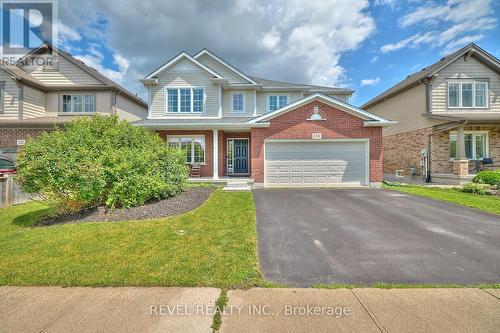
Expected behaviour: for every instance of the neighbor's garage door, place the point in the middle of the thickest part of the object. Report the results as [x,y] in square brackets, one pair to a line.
[316,163]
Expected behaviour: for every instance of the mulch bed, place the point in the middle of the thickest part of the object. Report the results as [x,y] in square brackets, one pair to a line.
[186,201]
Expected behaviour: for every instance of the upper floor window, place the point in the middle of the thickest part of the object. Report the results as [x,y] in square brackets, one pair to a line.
[468,95]
[277,101]
[238,102]
[185,100]
[78,103]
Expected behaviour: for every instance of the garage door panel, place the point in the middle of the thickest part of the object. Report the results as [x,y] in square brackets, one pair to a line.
[315,163]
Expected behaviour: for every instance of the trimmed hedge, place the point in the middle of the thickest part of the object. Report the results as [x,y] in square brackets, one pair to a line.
[487,177]
[100,160]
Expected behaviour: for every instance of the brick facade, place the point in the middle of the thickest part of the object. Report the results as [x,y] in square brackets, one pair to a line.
[403,150]
[9,137]
[337,125]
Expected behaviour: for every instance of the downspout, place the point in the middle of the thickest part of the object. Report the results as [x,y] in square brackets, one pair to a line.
[428,176]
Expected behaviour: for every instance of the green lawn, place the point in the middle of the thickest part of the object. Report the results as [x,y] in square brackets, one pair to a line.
[214,245]
[490,204]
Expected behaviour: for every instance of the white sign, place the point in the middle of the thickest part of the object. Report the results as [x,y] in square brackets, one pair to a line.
[316,136]
[21,142]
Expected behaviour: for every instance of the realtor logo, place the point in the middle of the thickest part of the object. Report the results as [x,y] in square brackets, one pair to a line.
[26,25]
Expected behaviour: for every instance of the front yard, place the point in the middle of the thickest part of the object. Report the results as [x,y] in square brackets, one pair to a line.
[490,204]
[214,245]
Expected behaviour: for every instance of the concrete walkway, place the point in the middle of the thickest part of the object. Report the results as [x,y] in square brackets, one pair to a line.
[55,309]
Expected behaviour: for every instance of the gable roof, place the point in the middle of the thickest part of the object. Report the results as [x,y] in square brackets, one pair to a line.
[370,118]
[427,72]
[21,75]
[46,47]
[225,64]
[287,85]
[176,59]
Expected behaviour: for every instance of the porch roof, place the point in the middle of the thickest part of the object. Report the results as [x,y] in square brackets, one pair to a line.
[199,123]
[471,117]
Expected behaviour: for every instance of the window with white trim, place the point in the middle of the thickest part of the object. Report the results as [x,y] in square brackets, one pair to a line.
[468,94]
[275,102]
[78,103]
[476,145]
[185,100]
[238,102]
[193,145]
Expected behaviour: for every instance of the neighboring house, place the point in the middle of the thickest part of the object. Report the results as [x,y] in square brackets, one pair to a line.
[278,133]
[36,98]
[448,112]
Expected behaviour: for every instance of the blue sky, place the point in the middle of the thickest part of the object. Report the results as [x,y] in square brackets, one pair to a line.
[365,45]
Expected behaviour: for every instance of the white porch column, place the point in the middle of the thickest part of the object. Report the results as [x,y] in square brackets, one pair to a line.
[461,163]
[460,153]
[215,158]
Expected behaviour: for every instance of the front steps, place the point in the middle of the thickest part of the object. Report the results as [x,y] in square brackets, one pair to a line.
[237,185]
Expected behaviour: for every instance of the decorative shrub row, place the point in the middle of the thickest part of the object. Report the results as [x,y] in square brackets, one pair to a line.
[100,160]
[487,177]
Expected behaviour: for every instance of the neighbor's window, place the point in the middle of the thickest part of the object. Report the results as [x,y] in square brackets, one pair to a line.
[185,100]
[476,145]
[468,95]
[78,103]
[277,101]
[194,147]
[238,102]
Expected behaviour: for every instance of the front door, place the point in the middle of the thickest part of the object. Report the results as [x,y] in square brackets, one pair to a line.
[240,156]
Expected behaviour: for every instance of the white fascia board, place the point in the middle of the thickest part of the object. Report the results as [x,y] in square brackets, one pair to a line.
[379,123]
[205,51]
[178,58]
[149,82]
[241,126]
[328,100]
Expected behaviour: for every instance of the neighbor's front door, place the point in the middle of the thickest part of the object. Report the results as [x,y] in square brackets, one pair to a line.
[240,156]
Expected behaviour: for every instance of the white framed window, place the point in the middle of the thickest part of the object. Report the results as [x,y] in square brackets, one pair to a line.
[194,146]
[185,100]
[238,102]
[78,103]
[468,94]
[275,102]
[476,145]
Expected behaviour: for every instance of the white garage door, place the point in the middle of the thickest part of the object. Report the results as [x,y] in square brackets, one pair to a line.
[316,163]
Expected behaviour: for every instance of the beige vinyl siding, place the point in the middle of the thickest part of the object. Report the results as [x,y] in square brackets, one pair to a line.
[103,102]
[67,74]
[220,69]
[128,110]
[460,69]
[184,78]
[262,98]
[407,108]
[52,104]
[227,103]
[11,98]
[33,103]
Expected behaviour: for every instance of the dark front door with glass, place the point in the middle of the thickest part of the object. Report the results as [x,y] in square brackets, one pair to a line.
[240,156]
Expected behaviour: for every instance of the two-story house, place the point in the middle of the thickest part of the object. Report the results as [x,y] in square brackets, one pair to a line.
[448,117]
[35,98]
[277,133]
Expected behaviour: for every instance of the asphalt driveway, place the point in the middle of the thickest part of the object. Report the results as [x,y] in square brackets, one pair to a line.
[364,236]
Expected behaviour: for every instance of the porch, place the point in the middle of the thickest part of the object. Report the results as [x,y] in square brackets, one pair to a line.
[459,153]
[213,155]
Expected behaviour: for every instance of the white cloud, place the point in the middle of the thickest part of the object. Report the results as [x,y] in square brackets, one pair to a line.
[374,60]
[447,24]
[292,40]
[271,39]
[94,58]
[391,3]
[370,82]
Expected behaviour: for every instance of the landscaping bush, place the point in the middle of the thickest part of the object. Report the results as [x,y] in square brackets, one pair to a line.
[475,188]
[487,177]
[100,160]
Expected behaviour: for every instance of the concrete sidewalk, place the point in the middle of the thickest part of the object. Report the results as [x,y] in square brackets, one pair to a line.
[55,309]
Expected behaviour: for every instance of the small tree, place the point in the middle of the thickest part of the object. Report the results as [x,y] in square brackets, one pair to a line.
[100,160]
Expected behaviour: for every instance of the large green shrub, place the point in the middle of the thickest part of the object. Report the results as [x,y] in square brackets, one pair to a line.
[100,160]
[475,188]
[487,177]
